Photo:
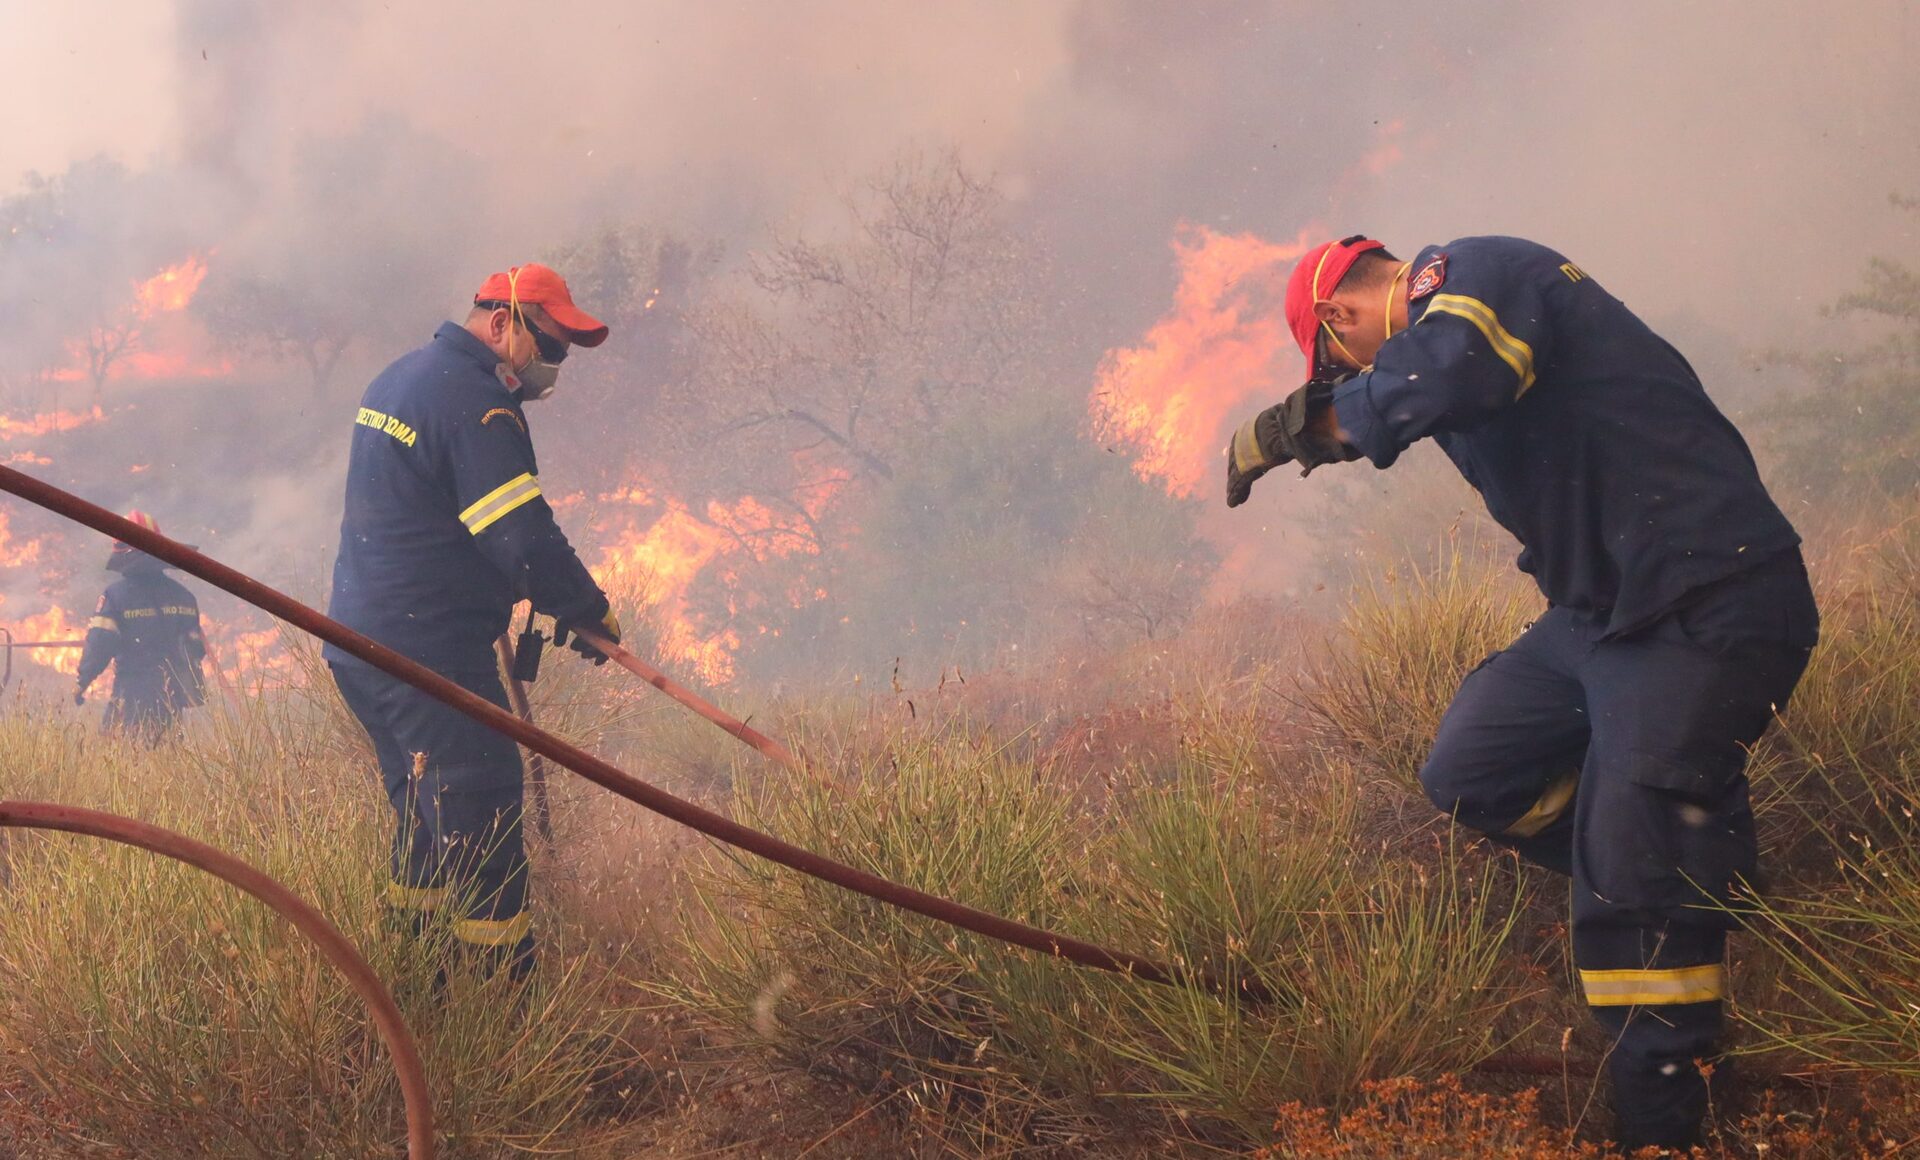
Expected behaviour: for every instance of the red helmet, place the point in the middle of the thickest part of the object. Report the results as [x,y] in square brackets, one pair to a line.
[136,516]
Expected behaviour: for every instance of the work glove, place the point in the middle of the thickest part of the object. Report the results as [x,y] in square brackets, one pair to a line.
[1283,433]
[608,625]
[80,695]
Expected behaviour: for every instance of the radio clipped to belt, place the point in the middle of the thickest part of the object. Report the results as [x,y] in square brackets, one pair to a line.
[526,653]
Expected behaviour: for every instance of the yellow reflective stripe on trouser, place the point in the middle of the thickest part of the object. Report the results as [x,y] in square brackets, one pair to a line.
[104,623]
[498,502]
[502,932]
[400,896]
[1512,351]
[1547,810]
[1654,988]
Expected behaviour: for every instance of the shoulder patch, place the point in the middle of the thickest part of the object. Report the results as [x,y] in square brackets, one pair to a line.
[1431,277]
[503,413]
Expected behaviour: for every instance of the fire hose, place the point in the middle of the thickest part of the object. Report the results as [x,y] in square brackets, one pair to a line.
[603,773]
[308,921]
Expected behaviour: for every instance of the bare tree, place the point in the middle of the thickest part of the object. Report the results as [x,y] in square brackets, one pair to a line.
[112,336]
[862,347]
[250,314]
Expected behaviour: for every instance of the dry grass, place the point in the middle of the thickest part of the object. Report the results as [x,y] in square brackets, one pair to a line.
[1380,967]
[1409,634]
[158,1011]
[1158,799]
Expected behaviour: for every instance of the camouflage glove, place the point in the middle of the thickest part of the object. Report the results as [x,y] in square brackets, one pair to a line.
[608,626]
[1283,433]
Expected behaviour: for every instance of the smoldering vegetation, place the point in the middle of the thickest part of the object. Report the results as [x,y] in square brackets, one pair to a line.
[905,446]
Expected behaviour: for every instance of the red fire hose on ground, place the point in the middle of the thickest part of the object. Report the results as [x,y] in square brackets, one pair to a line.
[600,772]
[305,919]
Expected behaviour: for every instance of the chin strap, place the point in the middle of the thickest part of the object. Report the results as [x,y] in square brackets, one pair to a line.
[1392,285]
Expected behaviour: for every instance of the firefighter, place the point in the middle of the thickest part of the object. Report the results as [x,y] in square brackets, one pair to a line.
[1609,741]
[445,528]
[147,625]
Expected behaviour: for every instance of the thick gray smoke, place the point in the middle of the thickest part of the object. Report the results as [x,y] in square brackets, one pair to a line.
[1724,166]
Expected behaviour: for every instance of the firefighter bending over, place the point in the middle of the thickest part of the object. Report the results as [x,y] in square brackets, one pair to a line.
[1609,742]
[445,529]
[147,626]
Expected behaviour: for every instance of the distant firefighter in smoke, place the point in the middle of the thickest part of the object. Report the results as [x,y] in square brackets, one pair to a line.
[445,530]
[1609,742]
[147,626]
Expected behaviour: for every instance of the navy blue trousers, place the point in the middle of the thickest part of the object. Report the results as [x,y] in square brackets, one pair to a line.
[150,720]
[455,786]
[1622,763]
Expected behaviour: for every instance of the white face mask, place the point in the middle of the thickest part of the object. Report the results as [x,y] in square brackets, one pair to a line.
[537,379]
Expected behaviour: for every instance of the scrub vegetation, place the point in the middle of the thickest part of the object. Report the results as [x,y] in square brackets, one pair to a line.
[1251,817]
[1230,790]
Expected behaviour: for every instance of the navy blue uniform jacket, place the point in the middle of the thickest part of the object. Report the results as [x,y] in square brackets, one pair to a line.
[148,625]
[445,526]
[1589,437]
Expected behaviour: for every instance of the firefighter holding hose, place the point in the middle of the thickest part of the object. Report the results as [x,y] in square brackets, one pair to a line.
[1608,742]
[445,529]
[147,626]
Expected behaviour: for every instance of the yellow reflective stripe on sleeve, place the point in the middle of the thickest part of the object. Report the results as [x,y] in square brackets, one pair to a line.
[498,502]
[104,623]
[1547,810]
[1512,351]
[1246,448]
[502,932]
[400,896]
[1654,988]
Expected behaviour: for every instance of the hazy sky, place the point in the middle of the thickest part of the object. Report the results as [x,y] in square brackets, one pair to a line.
[1718,157]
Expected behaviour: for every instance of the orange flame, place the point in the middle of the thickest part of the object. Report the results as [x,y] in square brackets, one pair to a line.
[47,421]
[118,345]
[1220,350]
[248,656]
[173,364]
[662,561]
[52,624]
[243,654]
[15,555]
[172,289]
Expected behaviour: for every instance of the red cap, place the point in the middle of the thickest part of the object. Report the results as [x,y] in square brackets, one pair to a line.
[539,284]
[1313,280]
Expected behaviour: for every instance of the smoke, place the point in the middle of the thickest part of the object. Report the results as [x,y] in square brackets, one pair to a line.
[1723,166]
[1722,145]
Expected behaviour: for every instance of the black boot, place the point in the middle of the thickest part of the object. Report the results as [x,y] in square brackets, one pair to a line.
[1660,1062]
